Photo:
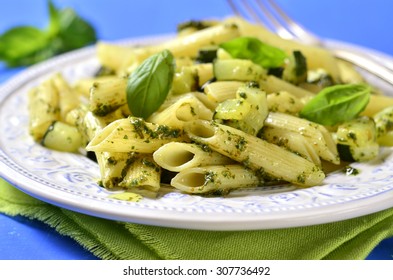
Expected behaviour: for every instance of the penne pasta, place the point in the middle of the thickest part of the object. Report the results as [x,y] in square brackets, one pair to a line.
[106,96]
[177,156]
[134,135]
[115,57]
[272,84]
[256,153]
[68,98]
[204,72]
[142,173]
[318,136]
[43,107]
[186,108]
[222,90]
[294,142]
[83,86]
[113,167]
[190,44]
[376,104]
[215,179]
[284,102]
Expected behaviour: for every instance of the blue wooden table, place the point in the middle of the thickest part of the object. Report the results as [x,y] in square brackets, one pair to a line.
[365,23]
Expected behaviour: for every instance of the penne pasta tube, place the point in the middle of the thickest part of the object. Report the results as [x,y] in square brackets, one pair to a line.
[256,153]
[222,90]
[134,135]
[120,58]
[204,72]
[113,56]
[383,121]
[294,142]
[189,45]
[89,124]
[177,156]
[318,136]
[376,104]
[215,179]
[284,102]
[386,139]
[83,86]
[68,98]
[142,172]
[43,107]
[106,96]
[186,108]
[205,100]
[272,84]
[113,167]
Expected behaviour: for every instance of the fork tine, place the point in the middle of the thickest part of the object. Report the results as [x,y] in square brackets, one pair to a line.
[293,27]
[245,10]
[257,12]
[275,23]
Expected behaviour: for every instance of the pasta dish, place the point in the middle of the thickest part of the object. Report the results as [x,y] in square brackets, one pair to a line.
[224,105]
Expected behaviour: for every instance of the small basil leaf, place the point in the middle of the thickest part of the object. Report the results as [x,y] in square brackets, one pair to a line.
[74,31]
[337,104]
[21,42]
[26,45]
[149,84]
[54,20]
[258,52]
[48,51]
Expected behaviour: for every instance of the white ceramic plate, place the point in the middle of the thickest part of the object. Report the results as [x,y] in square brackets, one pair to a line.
[68,180]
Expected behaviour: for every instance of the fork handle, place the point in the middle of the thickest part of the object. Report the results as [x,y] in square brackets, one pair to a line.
[366,64]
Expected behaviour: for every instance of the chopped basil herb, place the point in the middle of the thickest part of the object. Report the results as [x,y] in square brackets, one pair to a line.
[349,170]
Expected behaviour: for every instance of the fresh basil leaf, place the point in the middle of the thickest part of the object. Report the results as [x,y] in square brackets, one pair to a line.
[337,104]
[74,31]
[21,42]
[26,45]
[258,52]
[54,20]
[48,51]
[149,84]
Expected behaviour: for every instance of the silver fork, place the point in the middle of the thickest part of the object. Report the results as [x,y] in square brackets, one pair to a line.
[269,14]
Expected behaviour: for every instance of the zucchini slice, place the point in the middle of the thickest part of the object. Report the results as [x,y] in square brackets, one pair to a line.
[62,137]
[295,71]
[207,54]
[357,139]
[237,70]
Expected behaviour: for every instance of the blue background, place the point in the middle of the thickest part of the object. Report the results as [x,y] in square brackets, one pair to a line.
[365,23]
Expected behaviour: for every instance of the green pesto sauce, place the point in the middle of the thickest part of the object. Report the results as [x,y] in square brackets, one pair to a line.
[150,164]
[160,131]
[243,95]
[350,171]
[203,147]
[241,143]
[228,174]
[102,110]
[301,178]
[210,178]
[112,161]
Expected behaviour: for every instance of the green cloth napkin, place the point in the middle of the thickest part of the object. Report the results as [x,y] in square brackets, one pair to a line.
[351,239]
